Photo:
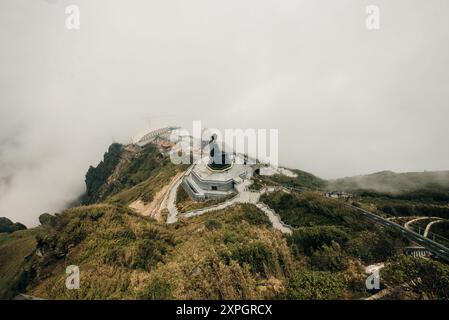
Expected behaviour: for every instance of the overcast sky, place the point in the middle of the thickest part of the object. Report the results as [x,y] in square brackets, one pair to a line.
[346,100]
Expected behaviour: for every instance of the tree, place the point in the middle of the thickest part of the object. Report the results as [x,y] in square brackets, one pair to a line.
[8,226]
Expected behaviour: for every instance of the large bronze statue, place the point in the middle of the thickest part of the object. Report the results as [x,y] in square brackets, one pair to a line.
[218,159]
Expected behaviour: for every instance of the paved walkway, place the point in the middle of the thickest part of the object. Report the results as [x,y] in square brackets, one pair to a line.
[243,196]
[274,218]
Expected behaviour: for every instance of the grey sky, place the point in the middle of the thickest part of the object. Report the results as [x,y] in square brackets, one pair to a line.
[346,100]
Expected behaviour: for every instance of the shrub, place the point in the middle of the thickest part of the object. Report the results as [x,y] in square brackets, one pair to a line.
[306,240]
[375,246]
[315,285]
[428,278]
[157,289]
[212,224]
[330,258]
[256,217]
[311,209]
[8,226]
[149,253]
[256,255]
[46,219]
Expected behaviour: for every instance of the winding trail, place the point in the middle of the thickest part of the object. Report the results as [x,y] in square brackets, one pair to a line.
[171,201]
[156,207]
[171,206]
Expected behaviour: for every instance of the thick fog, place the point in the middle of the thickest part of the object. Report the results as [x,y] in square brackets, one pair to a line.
[346,100]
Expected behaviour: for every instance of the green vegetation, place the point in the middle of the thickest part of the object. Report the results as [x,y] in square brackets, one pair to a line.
[423,196]
[409,208]
[302,180]
[315,285]
[123,255]
[111,244]
[14,248]
[46,219]
[441,229]
[404,194]
[322,223]
[127,174]
[147,189]
[184,203]
[425,279]
[227,254]
[308,239]
[330,258]
[157,289]
[311,209]
[97,177]
[401,194]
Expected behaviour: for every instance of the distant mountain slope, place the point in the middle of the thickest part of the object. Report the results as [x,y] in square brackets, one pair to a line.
[389,182]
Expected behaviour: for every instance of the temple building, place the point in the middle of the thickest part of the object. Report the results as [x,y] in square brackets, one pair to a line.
[216,175]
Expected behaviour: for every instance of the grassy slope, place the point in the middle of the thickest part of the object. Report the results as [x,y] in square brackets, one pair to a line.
[303,180]
[149,187]
[321,220]
[132,173]
[14,248]
[231,254]
[347,237]
[122,255]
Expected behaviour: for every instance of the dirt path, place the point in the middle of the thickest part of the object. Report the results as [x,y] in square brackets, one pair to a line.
[155,208]
[171,198]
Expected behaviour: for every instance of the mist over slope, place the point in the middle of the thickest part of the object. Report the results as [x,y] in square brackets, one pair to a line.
[394,183]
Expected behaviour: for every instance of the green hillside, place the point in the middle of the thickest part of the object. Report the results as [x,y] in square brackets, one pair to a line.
[14,248]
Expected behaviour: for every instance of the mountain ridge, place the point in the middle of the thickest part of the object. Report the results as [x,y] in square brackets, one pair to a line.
[233,253]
